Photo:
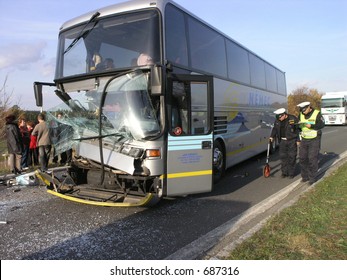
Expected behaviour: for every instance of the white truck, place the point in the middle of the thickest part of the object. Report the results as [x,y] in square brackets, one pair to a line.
[334,108]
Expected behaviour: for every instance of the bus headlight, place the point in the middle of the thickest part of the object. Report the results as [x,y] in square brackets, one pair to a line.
[132,151]
[135,152]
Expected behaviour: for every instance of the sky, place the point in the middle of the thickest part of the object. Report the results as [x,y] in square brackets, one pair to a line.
[307,39]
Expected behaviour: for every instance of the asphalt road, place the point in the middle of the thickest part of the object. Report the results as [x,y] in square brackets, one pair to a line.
[41,226]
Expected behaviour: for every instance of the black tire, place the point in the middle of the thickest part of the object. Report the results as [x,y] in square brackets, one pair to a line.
[218,161]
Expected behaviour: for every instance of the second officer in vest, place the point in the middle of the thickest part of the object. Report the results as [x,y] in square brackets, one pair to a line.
[286,131]
[311,124]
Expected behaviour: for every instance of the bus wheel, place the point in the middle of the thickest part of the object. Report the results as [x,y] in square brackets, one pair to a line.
[218,162]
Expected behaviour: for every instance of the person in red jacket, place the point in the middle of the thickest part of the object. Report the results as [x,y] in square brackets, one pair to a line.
[33,158]
[26,141]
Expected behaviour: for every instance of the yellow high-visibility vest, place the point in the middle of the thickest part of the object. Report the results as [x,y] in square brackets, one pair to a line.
[309,133]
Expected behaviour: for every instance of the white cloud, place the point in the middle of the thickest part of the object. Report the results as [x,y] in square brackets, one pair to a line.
[26,30]
[20,56]
[47,69]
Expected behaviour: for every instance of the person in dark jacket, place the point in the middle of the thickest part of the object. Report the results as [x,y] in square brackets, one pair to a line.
[311,125]
[14,144]
[286,131]
[41,131]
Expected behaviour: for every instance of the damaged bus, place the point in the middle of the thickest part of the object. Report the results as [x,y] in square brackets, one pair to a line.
[156,103]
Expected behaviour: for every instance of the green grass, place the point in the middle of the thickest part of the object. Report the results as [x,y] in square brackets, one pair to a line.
[314,228]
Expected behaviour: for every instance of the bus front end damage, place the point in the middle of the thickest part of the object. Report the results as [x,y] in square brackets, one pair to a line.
[123,175]
[116,139]
[83,182]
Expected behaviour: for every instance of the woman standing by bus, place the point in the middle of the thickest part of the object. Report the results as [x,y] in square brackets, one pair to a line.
[33,158]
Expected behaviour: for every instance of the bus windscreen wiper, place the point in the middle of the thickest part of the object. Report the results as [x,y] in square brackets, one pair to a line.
[83,33]
[120,135]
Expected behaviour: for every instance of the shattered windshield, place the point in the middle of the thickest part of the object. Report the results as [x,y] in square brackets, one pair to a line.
[128,113]
[116,42]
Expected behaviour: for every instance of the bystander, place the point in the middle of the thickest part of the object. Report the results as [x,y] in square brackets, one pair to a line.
[14,144]
[41,131]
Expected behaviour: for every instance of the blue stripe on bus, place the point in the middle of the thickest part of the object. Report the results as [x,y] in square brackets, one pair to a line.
[184,138]
[181,148]
[187,143]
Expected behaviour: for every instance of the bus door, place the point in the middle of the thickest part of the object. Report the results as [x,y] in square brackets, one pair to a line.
[190,137]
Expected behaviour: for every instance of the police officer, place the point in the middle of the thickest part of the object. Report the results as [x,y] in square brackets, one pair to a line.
[311,123]
[286,131]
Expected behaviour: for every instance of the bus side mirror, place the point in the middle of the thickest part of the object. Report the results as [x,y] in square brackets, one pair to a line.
[38,93]
[156,80]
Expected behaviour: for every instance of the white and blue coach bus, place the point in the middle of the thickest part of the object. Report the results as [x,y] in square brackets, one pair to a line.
[194,102]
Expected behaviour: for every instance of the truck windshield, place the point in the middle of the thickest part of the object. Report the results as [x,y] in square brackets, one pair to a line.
[332,103]
[128,113]
[112,43]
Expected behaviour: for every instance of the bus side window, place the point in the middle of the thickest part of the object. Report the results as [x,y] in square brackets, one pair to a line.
[179,112]
[199,108]
[175,116]
[180,115]
[189,108]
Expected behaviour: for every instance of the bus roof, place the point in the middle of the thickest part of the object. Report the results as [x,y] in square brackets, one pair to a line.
[115,9]
[132,5]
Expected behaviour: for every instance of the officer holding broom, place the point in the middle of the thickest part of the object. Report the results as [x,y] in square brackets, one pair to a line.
[286,131]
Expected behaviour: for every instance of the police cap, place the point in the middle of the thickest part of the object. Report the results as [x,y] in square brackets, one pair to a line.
[280,111]
[303,105]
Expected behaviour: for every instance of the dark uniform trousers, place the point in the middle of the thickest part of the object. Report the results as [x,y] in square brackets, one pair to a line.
[308,154]
[287,152]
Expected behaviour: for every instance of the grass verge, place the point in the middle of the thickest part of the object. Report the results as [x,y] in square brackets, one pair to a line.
[314,228]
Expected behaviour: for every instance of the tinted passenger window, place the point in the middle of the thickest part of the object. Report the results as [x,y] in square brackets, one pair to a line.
[271,79]
[281,83]
[257,71]
[238,63]
[207,49]
[176,43]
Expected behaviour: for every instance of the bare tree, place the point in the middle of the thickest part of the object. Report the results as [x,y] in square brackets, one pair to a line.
[5,107]
[302,94]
